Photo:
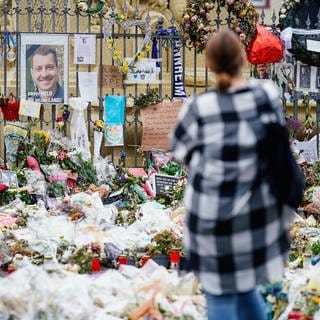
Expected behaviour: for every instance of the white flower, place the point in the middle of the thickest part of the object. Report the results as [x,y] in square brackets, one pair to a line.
[282,16]
[283,10]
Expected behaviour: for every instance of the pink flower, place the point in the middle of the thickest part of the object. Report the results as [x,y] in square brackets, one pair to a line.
[59,118]
[194,18]
[230,2]
[57,177]
[62,155]
[242,36]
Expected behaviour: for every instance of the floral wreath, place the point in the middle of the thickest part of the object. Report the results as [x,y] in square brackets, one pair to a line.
[83,6]
[286,13]
[197,27]
[123,65]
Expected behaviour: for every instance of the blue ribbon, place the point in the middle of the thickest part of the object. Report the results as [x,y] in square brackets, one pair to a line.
[8,37]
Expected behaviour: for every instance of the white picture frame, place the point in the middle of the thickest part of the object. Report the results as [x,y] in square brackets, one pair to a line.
[29,86]
[307,78]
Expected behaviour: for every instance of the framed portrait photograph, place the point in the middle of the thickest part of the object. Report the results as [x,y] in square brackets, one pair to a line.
[303,79]
[307,78]
[261,3]
[318,78]
[8,178]
[44,75]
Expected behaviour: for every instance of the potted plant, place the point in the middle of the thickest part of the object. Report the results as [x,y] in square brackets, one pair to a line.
[161,244]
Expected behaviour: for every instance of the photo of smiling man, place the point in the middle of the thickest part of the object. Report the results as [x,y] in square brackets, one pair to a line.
[44,71]
[44,79]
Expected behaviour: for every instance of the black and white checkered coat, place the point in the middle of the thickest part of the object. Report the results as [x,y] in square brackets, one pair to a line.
[235,235]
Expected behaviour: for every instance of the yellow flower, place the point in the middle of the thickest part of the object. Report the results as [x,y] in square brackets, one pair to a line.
[315,299]
[99,123]
[148,48]
[141,55]
[122,17]
[110,43]
[124,67]
[117,53]
[42,134]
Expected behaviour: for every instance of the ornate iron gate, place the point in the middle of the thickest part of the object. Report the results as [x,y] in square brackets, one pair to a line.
[62,17]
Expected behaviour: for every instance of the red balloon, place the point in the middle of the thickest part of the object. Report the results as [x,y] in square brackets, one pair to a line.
[265,47]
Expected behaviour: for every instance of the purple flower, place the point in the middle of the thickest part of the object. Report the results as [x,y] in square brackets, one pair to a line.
[294,124]
[194,18]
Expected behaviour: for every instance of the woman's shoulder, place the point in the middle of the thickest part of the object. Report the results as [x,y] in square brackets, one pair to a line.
[271,89]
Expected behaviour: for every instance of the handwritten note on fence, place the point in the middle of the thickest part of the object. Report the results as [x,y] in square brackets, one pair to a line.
[157,122]
[111,77]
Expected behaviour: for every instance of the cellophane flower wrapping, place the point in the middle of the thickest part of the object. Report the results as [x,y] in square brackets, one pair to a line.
[14,134]
[78,129]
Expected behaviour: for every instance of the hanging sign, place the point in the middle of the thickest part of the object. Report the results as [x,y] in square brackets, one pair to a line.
[157,122]
[178,83]
[112,77]
[84,49]
[145,71]
[114,135]
[29,108]
[178,88]
[115,109]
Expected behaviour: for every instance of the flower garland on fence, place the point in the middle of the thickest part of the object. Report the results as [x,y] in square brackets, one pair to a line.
[123,64]
[286,13]
[197,26]
[83,6]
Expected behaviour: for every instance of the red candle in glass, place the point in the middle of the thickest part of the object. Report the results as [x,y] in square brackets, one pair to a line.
[122,260]
[174,257]
[295,315]
[11,268]
[95,265]
[144,260]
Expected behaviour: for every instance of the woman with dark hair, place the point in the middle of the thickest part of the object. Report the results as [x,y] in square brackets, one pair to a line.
[236,231]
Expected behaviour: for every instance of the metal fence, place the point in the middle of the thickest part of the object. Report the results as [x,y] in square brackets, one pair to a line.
[61,17]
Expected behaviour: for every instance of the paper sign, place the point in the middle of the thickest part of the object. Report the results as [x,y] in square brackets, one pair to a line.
[29,108]
[114,135]
[84,49]
[157,122]
[162,183]
[145,71]
[112,77]
[88,85]
[313,45]
[9,178]
[308,150]
[115,109]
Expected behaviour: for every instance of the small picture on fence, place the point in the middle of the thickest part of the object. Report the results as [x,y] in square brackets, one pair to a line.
[44,78]
[304,76]
[318,78]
